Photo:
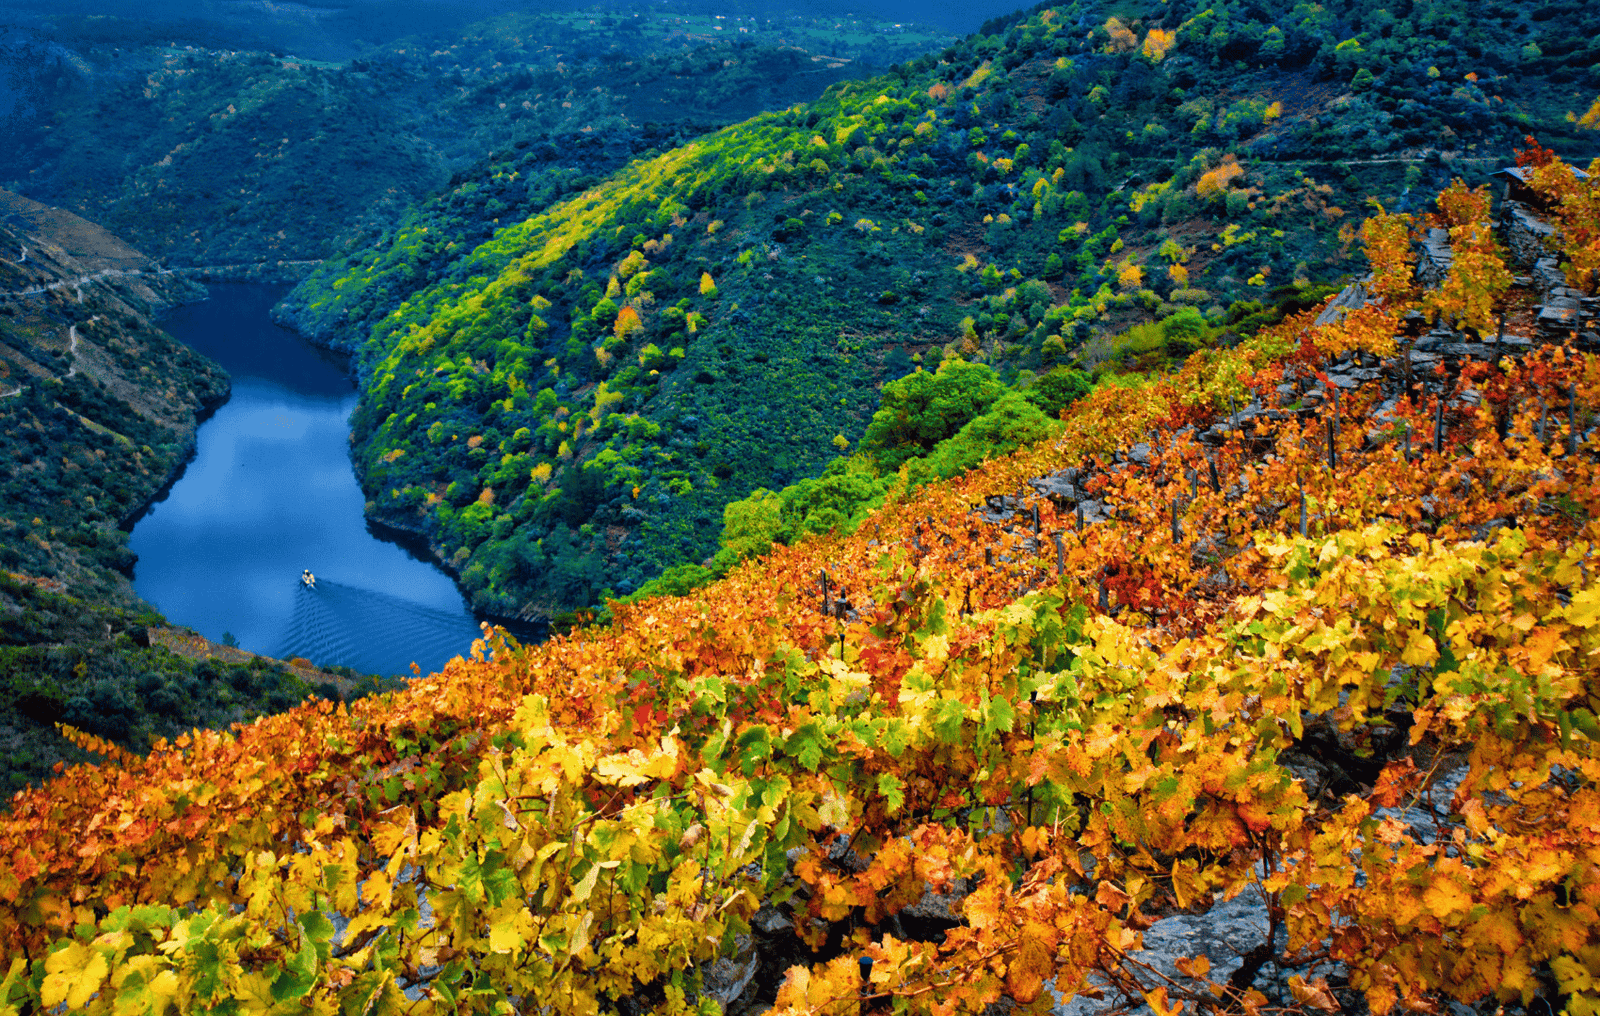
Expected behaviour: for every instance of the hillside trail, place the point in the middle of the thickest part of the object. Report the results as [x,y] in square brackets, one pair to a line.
[78,282]
[72,353]
[72,346]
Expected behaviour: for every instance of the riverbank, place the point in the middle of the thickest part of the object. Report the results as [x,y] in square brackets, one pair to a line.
[99,421]
[530,625]
[525,629]
[271,491]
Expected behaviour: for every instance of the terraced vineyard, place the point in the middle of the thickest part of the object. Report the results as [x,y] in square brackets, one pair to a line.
[1306,629]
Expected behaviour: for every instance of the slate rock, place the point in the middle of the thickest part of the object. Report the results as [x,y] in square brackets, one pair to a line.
[1094,512]
[729,979]
[938,906]
[1223,933]
[1351,297]
[771,921]
[1437,257]
[1060,487]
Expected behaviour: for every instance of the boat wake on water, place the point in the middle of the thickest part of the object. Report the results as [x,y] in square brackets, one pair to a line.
[334,624]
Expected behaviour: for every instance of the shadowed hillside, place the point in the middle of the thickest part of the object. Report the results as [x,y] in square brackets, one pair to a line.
[98,410]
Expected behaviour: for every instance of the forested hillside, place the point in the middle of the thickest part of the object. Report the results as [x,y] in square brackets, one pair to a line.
[98,409]
[566,409]
[204,150]
[1303,633]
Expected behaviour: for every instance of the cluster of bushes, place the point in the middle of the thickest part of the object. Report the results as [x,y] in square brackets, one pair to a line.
[931,426]
[348,294]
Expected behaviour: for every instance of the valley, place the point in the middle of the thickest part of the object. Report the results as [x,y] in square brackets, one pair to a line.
[99,410]
[1092,515]
[165,142]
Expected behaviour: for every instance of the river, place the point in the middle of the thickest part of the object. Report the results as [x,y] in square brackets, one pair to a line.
[271,492]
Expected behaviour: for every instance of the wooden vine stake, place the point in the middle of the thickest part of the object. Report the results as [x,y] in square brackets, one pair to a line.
[1572,420]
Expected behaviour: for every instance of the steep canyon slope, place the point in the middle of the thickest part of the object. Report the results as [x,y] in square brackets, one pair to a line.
[98,410]
[565,409]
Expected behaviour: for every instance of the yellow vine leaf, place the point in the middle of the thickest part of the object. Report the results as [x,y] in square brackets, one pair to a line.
[1157,999]
[1420,650]
[72,975]
[1584,610]
[1314,993]
[1445,897]
[1032,964]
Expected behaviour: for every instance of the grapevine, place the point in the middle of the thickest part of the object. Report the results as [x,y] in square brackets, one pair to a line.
[1066,729]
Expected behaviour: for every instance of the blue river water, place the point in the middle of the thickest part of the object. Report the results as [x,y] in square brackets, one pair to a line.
[271,492]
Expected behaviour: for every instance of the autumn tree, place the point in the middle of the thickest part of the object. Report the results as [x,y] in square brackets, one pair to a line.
[1475,287]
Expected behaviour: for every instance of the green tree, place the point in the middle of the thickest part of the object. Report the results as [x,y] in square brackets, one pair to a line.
[749,526]
[1057,390]
[922,409]
[1013,421]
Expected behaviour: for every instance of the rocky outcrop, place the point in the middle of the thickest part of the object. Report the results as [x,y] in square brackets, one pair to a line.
[1436,257]
[1527,235]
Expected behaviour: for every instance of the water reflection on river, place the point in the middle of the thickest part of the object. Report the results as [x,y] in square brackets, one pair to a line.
[271,492]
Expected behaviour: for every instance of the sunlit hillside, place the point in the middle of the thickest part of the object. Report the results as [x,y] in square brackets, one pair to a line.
[565,409]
